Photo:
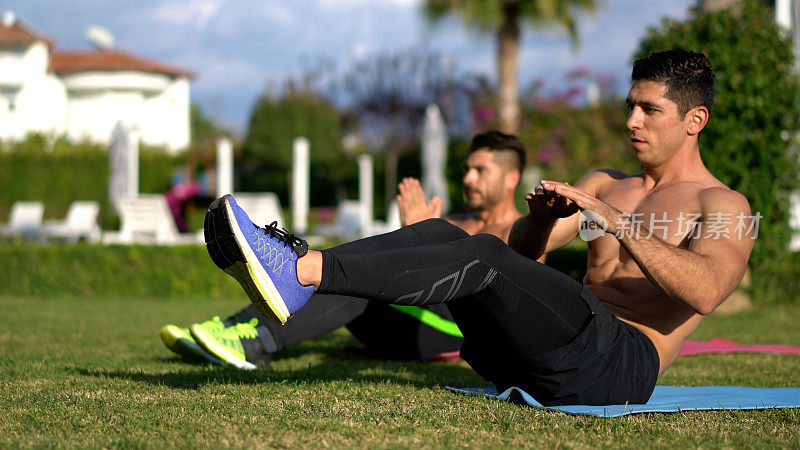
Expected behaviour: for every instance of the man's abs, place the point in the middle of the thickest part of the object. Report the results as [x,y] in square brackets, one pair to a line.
[630,296]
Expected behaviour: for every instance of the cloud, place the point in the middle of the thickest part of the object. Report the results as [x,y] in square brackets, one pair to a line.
[222,72]
[349,4]
[281,14]
[234,46]
[187,12]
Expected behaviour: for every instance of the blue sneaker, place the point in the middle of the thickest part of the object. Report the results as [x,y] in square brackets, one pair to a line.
[262,260]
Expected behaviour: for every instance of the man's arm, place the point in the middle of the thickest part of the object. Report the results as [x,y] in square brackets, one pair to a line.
[701,276]
[707,272]
[553,219]
[531,233]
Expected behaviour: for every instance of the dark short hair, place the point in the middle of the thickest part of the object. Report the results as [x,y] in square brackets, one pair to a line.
[496,141]
[688,76]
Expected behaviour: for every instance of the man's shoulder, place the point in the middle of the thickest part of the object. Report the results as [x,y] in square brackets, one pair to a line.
[594,180]
[722,198]
[611,173]
[607,175]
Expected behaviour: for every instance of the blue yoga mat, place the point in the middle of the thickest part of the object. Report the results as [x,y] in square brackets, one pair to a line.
[664,399]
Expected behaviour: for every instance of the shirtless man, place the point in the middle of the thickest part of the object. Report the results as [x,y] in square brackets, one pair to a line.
[491,177]
[674,244]
[661,276]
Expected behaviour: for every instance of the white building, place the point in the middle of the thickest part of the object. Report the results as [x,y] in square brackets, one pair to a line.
[82,95]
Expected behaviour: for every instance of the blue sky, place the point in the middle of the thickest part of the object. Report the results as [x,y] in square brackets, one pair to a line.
[235,46]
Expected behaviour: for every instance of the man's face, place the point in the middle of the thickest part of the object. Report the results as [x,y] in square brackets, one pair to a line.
[483,181]
[657,130]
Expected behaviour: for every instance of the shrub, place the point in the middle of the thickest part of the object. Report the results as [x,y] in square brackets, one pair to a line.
[275,122]
[569,142]
[756,103]
[94,270]
[69,172]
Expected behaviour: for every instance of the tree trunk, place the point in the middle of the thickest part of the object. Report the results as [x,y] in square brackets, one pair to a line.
[507,65]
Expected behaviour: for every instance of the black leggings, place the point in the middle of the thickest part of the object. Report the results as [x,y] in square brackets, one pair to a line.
[385,331]
[524,324]
[498,298]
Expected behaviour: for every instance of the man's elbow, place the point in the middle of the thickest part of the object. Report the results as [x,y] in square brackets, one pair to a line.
[706,304]
[705,309]
[703,303]
[704,298]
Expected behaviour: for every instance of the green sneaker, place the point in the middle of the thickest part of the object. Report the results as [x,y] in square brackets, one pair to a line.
[181,342]
[237,345]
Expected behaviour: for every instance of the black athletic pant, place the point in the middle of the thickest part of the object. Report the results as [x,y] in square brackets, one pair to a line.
[385,331]
[524,324]
[496,296]
[322,314]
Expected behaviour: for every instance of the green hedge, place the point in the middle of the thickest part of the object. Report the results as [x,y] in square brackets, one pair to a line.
[92,270]
[28,171]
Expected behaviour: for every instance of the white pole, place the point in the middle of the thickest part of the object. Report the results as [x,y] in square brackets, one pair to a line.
[300,185]
[783,13]
[224,167]
[365,190]
[132,188]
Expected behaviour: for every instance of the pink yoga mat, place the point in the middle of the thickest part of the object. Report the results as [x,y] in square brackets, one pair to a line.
[718,345]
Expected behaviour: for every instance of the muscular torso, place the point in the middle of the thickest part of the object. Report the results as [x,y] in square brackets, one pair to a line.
[616,278]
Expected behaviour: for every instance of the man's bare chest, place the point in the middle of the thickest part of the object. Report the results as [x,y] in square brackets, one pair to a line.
[670,214]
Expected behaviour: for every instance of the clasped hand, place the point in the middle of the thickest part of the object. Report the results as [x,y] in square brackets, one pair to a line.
[413,206]
[555,200]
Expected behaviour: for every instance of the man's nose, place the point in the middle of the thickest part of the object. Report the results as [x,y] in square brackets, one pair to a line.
[469,176]
[634,119]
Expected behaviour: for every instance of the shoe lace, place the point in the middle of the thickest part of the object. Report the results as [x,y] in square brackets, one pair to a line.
[298,245]
[215,324]
[274,257]
[244,330]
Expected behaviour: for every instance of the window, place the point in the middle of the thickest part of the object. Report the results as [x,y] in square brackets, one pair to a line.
[10,96]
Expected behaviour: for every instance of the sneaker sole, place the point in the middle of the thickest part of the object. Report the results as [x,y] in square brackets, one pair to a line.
[210,345]
[185,348]
[230,251]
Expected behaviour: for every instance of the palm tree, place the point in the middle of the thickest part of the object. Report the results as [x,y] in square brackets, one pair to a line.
[506,18]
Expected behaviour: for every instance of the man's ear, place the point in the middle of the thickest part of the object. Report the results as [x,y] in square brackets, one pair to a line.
[697,119]
[512,179]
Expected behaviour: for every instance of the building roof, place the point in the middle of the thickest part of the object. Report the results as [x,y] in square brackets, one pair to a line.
[18,34]
[110,61]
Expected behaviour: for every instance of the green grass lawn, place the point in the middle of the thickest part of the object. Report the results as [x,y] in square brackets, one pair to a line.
[93,373]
